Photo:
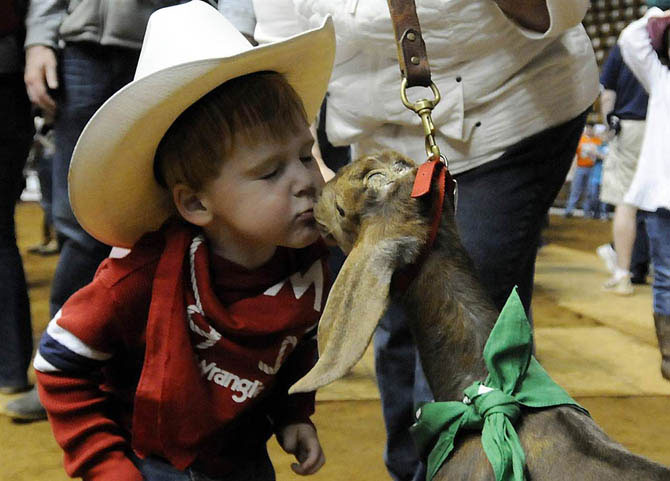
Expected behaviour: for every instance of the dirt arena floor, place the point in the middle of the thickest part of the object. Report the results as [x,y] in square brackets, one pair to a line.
[600,347]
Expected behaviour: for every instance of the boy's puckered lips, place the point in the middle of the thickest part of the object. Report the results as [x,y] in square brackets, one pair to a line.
[306,215]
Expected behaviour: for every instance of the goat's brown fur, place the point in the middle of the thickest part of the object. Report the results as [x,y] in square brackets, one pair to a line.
[368,210]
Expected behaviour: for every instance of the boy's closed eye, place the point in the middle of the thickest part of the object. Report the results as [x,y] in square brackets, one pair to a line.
[305,159]
[270,175]
[269,170]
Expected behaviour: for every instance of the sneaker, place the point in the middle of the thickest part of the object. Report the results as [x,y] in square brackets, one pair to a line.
[619,284]
[51,248]
[607,253]
[26,408]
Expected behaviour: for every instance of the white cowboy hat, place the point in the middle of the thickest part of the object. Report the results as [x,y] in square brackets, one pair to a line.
[188,50]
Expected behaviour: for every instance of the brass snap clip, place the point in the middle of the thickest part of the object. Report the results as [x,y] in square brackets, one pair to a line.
[423,109]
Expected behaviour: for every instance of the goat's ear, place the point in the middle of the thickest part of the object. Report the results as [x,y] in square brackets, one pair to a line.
[357,301]
[402,166]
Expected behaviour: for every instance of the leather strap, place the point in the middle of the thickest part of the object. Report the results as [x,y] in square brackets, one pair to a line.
[412,55]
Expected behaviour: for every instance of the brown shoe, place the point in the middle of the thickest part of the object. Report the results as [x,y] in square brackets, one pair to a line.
[662,322]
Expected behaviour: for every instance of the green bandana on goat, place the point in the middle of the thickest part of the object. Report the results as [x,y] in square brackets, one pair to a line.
[515,380]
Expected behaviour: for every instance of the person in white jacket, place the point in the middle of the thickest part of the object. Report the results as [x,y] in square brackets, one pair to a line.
[650,190]
[516,79]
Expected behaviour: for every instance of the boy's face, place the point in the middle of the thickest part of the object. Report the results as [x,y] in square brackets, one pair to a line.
[263,198]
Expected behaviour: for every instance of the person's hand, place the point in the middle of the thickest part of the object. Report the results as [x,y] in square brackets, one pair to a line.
[300,439]
[40,75]
[531,14]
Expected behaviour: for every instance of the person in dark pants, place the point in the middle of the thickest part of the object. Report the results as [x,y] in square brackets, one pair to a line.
[515,83]
[485,197]
[16,131]
[90,75]
[639,261]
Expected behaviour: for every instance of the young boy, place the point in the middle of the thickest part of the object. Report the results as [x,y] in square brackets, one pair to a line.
[174,363]
[585,159]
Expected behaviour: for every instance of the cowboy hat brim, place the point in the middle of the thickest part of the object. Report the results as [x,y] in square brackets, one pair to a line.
[112,188]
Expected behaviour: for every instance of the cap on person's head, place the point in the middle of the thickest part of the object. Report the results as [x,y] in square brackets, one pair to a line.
[662,4]
[657,28]
[188,50]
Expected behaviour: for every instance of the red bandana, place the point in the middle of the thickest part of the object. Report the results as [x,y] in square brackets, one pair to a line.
[204,363]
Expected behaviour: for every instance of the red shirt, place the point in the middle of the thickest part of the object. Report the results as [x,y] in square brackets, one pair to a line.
[123,366]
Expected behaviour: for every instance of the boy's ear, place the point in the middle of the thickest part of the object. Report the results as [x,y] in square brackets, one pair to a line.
[190,205]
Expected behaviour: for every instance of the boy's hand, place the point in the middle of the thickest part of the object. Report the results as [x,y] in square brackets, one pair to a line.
[301,440]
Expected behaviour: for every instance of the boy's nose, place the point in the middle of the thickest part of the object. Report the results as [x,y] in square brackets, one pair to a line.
[307,188]
[305,184]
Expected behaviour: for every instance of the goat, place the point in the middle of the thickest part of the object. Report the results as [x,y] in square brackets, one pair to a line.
[367,209]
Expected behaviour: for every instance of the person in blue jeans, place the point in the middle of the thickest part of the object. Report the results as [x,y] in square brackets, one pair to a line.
[102,44]
[593,207]
[644,48]
[578,189]
[16,131]
[586,156]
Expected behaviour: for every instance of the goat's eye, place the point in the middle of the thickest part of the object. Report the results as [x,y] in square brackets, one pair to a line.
[375,176]
[376,179]
[340,210]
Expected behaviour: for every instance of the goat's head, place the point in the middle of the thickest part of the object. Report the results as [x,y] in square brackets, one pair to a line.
[359,192]
[368,211]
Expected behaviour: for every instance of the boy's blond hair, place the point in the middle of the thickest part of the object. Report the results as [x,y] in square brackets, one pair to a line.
[250,108]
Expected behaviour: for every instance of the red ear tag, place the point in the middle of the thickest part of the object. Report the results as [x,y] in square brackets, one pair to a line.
[424,177]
